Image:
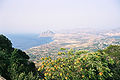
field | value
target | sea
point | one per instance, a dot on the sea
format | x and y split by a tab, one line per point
26	41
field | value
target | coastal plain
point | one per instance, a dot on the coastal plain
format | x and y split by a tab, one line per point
80	41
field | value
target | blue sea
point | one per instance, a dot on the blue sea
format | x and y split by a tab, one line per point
26	41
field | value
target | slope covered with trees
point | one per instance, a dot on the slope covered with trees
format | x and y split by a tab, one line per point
14	63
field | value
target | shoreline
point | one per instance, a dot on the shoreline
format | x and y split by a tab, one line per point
27	41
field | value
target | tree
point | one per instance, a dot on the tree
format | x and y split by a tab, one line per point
5	43
113	51
14	63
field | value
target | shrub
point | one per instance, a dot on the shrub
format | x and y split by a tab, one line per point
114	52
78	65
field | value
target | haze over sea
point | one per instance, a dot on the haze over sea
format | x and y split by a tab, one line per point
26	41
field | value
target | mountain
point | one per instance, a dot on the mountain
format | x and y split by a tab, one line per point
47	33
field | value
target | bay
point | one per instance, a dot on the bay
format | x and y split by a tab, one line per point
26	41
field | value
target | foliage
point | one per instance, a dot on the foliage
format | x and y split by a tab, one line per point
5	43
78	65
14	63
114	52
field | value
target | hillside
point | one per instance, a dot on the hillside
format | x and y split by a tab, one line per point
14	63
70	64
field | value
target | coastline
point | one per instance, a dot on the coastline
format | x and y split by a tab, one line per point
78	41
27	41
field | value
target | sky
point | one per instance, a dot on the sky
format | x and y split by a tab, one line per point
34	16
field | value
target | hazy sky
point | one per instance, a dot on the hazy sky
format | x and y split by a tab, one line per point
33	16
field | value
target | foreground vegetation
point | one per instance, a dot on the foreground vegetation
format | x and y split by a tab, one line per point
14	63
80	65
71	65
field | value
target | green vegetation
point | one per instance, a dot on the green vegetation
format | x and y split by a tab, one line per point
80	65
14	63
70	64
113	51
